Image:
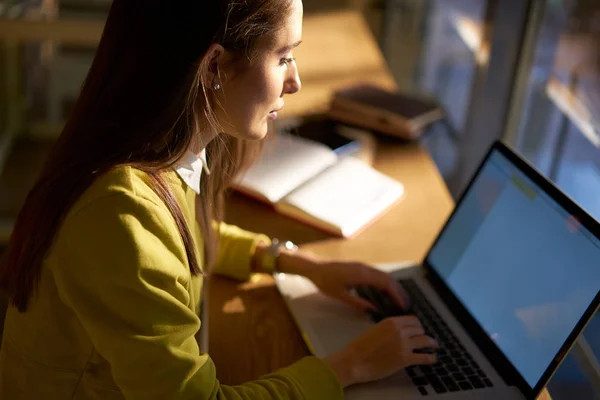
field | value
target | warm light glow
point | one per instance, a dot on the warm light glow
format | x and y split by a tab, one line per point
471	33
234	306
574	108
256	281
573	224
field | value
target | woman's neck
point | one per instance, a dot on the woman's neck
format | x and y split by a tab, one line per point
201	140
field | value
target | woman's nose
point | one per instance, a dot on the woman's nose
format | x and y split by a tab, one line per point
293	84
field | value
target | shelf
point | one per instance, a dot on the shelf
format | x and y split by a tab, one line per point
72	31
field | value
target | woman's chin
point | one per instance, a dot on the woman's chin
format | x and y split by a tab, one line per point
257	133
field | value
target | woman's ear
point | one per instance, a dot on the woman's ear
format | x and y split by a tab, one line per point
214	63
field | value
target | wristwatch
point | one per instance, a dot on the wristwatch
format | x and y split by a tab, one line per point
271	255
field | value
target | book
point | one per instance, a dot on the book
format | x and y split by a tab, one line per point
393	113
308	181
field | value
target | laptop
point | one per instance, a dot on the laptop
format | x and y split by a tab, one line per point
506	288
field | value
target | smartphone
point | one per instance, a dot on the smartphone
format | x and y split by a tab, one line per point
323	131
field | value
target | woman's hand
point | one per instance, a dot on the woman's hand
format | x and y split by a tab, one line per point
385	348
338	278
382	351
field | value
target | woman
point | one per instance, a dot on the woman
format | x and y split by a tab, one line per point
106	263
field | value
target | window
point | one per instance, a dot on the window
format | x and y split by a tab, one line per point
434	48
555	123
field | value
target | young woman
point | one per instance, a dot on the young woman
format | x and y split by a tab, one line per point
105	266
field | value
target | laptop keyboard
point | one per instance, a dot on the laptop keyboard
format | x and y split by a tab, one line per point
456	370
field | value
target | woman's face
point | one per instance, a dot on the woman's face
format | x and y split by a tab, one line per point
250	98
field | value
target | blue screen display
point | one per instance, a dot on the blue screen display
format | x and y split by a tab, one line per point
522	266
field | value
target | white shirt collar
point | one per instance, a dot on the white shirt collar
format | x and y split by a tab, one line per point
190	169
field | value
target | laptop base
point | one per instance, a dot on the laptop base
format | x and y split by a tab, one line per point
329	325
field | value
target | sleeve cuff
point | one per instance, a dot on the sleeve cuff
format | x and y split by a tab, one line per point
260	238
315	379
236	249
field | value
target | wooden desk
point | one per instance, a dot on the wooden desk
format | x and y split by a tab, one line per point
251	331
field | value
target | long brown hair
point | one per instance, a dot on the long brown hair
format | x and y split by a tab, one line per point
142	103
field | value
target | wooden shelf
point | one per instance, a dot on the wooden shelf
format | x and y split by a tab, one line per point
72	31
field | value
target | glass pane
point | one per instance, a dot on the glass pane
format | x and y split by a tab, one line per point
558	130
452	49
434	48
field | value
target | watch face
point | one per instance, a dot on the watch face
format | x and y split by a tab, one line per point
269	260
290	246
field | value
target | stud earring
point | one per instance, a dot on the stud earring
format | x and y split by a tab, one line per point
216	86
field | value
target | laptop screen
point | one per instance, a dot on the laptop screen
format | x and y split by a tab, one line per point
520	264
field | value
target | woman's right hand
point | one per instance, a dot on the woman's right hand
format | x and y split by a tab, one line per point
383	350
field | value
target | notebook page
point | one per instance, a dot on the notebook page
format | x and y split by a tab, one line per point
348	195
287	162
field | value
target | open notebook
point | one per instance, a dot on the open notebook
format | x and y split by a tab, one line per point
306	180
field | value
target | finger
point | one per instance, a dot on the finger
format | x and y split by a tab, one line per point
422	359
389	285
397	293
357	302
412	331
423	342
405	296
406	321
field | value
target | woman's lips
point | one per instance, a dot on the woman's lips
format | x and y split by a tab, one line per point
273	114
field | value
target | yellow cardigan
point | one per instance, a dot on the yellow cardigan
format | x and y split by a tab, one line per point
116	312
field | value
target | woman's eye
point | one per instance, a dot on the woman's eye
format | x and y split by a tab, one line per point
287	61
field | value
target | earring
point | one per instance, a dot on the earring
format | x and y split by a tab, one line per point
216	86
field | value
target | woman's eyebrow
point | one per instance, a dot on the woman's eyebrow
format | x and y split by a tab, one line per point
290	47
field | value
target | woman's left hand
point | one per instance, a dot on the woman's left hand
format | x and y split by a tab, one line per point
337	279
